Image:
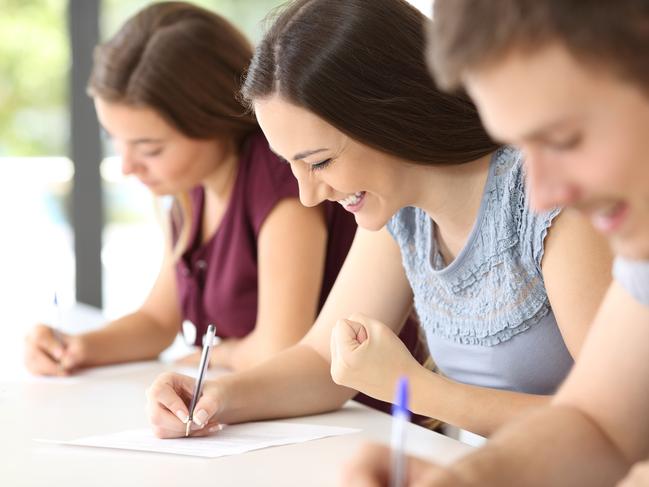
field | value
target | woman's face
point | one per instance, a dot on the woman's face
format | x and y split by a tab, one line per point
585	134
331	166
161	157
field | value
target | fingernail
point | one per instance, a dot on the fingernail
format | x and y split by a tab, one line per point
216	428
182	416
201	417
58	353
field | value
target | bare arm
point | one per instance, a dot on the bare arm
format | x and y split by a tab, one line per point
577	272
136	336
291	268
593	431
297	380
574	255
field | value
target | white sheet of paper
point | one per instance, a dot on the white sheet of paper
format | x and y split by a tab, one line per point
232	440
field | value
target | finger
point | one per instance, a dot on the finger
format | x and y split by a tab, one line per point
40	363
211	428
163	423
42	337
368	467
168	391
206	408
354	333
73	355
424	474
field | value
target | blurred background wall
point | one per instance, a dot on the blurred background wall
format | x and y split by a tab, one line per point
46	122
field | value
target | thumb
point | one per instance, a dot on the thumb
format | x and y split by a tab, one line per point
47	339
361	331
362	325
349	335
206	408
73	353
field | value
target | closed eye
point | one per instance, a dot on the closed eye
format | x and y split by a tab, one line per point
318	166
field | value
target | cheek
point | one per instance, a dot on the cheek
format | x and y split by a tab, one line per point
613	162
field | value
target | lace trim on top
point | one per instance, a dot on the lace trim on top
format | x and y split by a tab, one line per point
494	288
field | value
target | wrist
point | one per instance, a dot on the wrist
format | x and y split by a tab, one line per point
90	349
429	387
229	396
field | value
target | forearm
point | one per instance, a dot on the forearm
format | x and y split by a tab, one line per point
295	382
556	446
478	409
136	336
253	349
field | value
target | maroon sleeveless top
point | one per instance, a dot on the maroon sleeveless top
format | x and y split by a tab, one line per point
217	280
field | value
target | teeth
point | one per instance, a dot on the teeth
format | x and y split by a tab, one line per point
352	199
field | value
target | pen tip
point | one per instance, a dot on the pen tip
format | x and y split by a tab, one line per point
187	427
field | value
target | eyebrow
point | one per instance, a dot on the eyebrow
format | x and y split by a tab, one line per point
307	153
542	133
143	140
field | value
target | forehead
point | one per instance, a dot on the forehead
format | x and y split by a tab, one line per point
291	129
525	91
122	119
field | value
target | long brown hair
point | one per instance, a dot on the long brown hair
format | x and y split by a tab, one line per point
360	65
186	63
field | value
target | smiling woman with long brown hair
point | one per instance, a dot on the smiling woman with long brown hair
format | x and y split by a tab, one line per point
343	94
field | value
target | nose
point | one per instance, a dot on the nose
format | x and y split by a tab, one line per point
312	190
129	162
546	185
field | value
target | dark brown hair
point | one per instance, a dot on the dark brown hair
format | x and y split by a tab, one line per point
470	34
359	65
186	63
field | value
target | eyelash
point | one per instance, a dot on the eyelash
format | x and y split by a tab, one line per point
153	153
319	166
567	144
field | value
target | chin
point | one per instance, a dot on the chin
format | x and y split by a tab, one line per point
371	224
160	191
635	247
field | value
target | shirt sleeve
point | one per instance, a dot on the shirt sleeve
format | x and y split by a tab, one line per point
633	275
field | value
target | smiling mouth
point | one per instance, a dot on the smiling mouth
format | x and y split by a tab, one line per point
609	218
353	202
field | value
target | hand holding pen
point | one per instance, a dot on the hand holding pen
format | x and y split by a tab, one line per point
49	351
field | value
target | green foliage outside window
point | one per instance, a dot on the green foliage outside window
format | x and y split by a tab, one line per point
35	62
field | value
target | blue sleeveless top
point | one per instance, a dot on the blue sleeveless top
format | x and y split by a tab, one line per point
633	276
487	317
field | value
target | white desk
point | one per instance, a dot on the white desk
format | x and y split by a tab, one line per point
112	399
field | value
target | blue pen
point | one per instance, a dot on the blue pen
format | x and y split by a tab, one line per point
56	329
400	418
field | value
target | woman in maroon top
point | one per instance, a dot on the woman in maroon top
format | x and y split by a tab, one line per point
243	252
165	92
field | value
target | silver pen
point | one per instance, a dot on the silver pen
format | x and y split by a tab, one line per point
208	341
